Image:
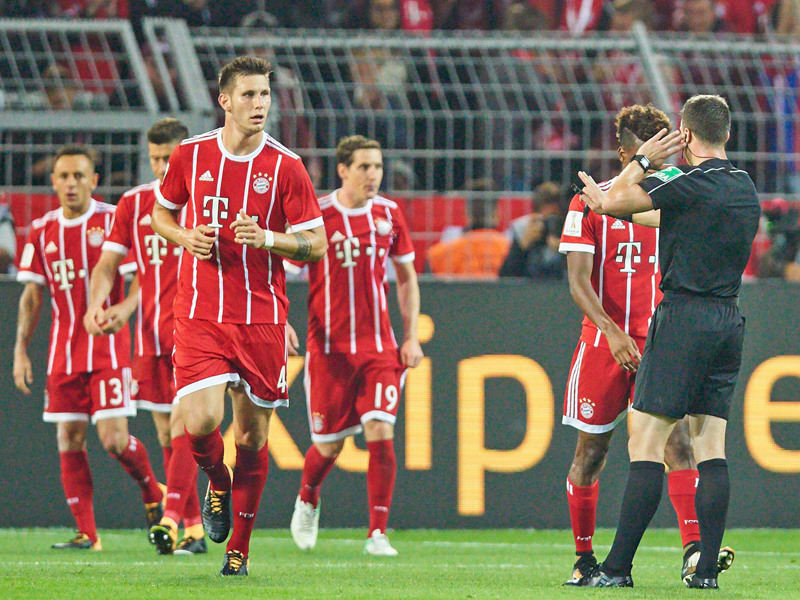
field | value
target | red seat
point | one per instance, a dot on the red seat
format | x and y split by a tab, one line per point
434	213
510	208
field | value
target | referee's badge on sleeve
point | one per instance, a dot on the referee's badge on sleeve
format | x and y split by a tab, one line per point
572	225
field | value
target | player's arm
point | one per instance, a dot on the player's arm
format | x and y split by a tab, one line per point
118	314
306	245
30	305
100	283
626	197
198	241
408	299
623	347
651	218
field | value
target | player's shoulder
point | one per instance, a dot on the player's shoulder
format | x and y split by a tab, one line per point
48	217
208	136
384	202
145	188
273	145
326	204
103	208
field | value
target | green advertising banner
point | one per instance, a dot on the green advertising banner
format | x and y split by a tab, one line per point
479	437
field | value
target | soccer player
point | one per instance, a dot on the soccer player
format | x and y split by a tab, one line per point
241	189
157	277
709	215
354	369
86	378
614	277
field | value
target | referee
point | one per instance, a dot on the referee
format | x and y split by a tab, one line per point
709	214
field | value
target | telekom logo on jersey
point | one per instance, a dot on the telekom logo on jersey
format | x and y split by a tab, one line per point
629	253
217	211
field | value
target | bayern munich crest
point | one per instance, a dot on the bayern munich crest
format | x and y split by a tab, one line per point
587	408
261	183
383	227
95	236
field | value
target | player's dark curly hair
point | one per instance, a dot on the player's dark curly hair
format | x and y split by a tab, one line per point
637	124
242	66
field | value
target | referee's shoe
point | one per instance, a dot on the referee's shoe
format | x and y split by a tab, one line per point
692	555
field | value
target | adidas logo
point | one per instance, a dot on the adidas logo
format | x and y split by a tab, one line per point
146	220
337	237
618	224
206	176
50	248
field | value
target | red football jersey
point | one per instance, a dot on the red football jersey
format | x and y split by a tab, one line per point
347	308
157	265
61	253
625	274
238	284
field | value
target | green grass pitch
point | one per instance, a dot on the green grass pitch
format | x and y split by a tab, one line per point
468	564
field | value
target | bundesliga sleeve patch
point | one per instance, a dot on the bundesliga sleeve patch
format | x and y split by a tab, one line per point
667	174
573	223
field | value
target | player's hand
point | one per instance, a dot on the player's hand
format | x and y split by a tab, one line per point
592	194
199	241
23	372
294	341
93	320
661	146
247	231
115	318
624	350
411	353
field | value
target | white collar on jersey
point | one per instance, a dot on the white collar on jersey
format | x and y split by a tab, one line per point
351	212
79	220
246	157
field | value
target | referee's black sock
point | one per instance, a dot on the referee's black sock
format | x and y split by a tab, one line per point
711	503
639	504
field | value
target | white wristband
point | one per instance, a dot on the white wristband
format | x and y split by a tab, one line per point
269	239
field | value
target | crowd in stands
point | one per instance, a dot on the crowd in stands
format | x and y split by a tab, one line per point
422	16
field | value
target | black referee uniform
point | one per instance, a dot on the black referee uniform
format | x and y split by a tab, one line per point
691	360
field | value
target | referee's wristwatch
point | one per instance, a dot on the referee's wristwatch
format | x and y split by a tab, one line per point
642	161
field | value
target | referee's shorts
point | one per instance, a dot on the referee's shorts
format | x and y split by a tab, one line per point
691	358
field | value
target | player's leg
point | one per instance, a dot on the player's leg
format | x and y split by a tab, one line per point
251	431
319	461
595	402
182	499
76	479
381	474
202	412
682	484
182	484
582	493
330	397
377	403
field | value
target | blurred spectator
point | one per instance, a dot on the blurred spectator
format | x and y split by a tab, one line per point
8	241
18	9
481	249
467	14
782	259
208	13
401	177
535	237
535	252
699	17
89	9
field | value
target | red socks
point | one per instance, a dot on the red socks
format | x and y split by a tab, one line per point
208	451
166	452
682	486
582	513
181	481
380	482
135	461
315	469
249	477
76	478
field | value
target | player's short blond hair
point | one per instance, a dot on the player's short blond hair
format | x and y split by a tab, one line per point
241	66
75	150
348	146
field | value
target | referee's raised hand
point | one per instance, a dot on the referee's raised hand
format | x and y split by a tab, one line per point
661	146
